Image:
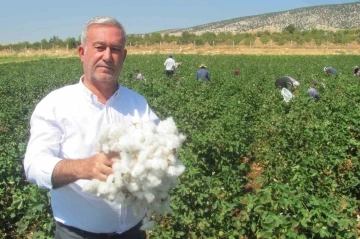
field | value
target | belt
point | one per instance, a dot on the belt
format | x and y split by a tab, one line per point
86	234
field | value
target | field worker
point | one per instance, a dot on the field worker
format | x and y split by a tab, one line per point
61	154
287	82
312	91
203	73
356	71
236	72
138	75
177	65
169	66
330	70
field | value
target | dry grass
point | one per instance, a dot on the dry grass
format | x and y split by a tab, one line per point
257	48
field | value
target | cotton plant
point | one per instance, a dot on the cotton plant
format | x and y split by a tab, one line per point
147	169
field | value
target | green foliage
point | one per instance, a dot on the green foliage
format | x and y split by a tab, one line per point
290	29
290	33
308	185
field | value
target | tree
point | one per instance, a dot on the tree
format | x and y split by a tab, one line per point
290	29
208	37
71	42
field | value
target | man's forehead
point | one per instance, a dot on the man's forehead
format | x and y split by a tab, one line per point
102	30
103	35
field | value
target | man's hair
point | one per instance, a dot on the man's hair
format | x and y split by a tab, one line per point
108	21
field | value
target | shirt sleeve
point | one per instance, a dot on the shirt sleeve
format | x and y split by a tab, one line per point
44	145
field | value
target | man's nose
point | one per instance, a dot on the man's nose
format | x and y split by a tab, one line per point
107	54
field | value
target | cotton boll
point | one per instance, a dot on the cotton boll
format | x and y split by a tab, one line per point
126	157
158	173
110	179
180	168
113	190
111	197
139	195
103	188
112	194
166	185
166	206
150	138
157	206
119	182
175	170
149	126
132	187
91	186
115	147
149	197
153	180
147	225
173	142
143	155
116	166
137	170
105	148
171	159
116	131
182	138
167	126
138	137
157	163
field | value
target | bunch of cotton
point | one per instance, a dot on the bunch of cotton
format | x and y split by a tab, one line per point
147	169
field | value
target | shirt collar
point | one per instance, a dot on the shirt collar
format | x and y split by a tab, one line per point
89	95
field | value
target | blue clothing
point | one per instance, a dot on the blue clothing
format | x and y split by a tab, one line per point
203	74
313	93
331	70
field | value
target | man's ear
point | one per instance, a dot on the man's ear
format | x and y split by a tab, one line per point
81	52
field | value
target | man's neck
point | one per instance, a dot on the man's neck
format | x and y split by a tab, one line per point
103	90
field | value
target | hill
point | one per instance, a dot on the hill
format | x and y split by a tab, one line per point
327	17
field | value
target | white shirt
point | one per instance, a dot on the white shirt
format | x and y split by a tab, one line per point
169	64
295	83
64	125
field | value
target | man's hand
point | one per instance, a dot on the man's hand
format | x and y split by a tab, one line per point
98	166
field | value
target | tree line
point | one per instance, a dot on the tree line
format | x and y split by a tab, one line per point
288	34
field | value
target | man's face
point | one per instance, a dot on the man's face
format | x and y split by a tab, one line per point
103	54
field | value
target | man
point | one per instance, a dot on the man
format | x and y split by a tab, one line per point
170	66
203	74
139	76
330	70
356	71
60	155
236	72
287	81
313	93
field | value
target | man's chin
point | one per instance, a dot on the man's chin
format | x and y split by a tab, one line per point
106	78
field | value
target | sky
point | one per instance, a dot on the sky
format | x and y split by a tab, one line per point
32	21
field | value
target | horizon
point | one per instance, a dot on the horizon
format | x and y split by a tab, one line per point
30	23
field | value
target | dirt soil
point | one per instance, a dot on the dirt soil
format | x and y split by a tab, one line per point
257	49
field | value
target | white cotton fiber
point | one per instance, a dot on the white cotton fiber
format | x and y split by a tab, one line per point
147	169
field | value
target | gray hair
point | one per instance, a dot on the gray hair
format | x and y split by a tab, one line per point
108	21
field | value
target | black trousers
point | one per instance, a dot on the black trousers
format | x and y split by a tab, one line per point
67	232
169	73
